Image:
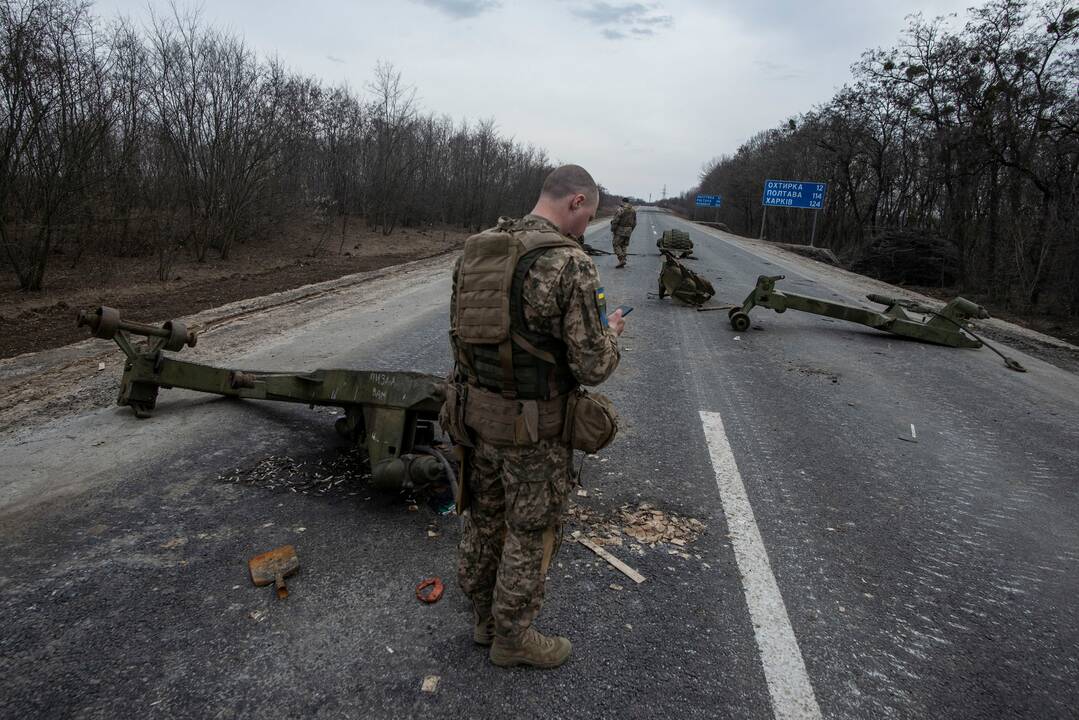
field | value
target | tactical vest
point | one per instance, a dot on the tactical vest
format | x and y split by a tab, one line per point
493	344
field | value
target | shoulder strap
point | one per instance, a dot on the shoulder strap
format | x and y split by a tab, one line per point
545	239
517	302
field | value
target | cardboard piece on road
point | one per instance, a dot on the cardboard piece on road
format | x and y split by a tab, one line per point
615	562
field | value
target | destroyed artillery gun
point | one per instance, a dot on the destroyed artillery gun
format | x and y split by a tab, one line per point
948	325
392	415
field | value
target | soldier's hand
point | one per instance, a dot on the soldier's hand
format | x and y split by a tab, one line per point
616	322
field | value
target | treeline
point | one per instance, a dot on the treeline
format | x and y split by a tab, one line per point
965	137
180	139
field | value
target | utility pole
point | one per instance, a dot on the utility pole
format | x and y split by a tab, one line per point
664	190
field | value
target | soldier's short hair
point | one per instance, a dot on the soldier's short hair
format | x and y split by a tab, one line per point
570	180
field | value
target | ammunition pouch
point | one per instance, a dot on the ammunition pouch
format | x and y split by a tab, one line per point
507	422
591	421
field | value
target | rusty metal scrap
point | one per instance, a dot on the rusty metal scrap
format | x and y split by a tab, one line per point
430	590
273	567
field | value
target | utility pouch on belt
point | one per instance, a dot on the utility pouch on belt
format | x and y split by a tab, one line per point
591	421
506	422
452	415
526	426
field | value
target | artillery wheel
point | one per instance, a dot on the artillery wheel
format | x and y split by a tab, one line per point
733	310
178	336
740	321
103	322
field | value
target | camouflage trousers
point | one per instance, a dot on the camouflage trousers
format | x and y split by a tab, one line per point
621	246
512	529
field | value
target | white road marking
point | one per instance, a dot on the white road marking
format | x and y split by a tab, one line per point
784	668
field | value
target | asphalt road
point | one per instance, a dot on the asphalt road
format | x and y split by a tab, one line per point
892	529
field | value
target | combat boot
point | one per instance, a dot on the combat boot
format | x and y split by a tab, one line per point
483	632
621	264
530	648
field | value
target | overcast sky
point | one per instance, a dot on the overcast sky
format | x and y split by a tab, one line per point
640	93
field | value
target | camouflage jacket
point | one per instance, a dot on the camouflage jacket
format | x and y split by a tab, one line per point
560	295
624	220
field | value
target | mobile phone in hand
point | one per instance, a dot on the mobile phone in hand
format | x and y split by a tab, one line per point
626	309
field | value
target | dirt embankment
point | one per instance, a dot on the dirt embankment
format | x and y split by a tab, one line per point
37	321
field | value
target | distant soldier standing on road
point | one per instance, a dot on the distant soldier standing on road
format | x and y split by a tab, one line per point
622	224
527	328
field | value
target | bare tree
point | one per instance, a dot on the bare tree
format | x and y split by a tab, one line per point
181	140
968	135
57	115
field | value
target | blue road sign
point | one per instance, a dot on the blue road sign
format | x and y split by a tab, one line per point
794	194
709	200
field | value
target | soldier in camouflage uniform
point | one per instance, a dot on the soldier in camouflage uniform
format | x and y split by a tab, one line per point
517	474
622	224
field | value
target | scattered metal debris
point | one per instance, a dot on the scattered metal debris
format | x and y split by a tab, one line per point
273	567
340	474
435	593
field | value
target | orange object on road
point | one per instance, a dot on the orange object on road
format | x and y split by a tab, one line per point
273	567
434	595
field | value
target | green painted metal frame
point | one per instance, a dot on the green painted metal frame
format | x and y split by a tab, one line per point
391	413
941	326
